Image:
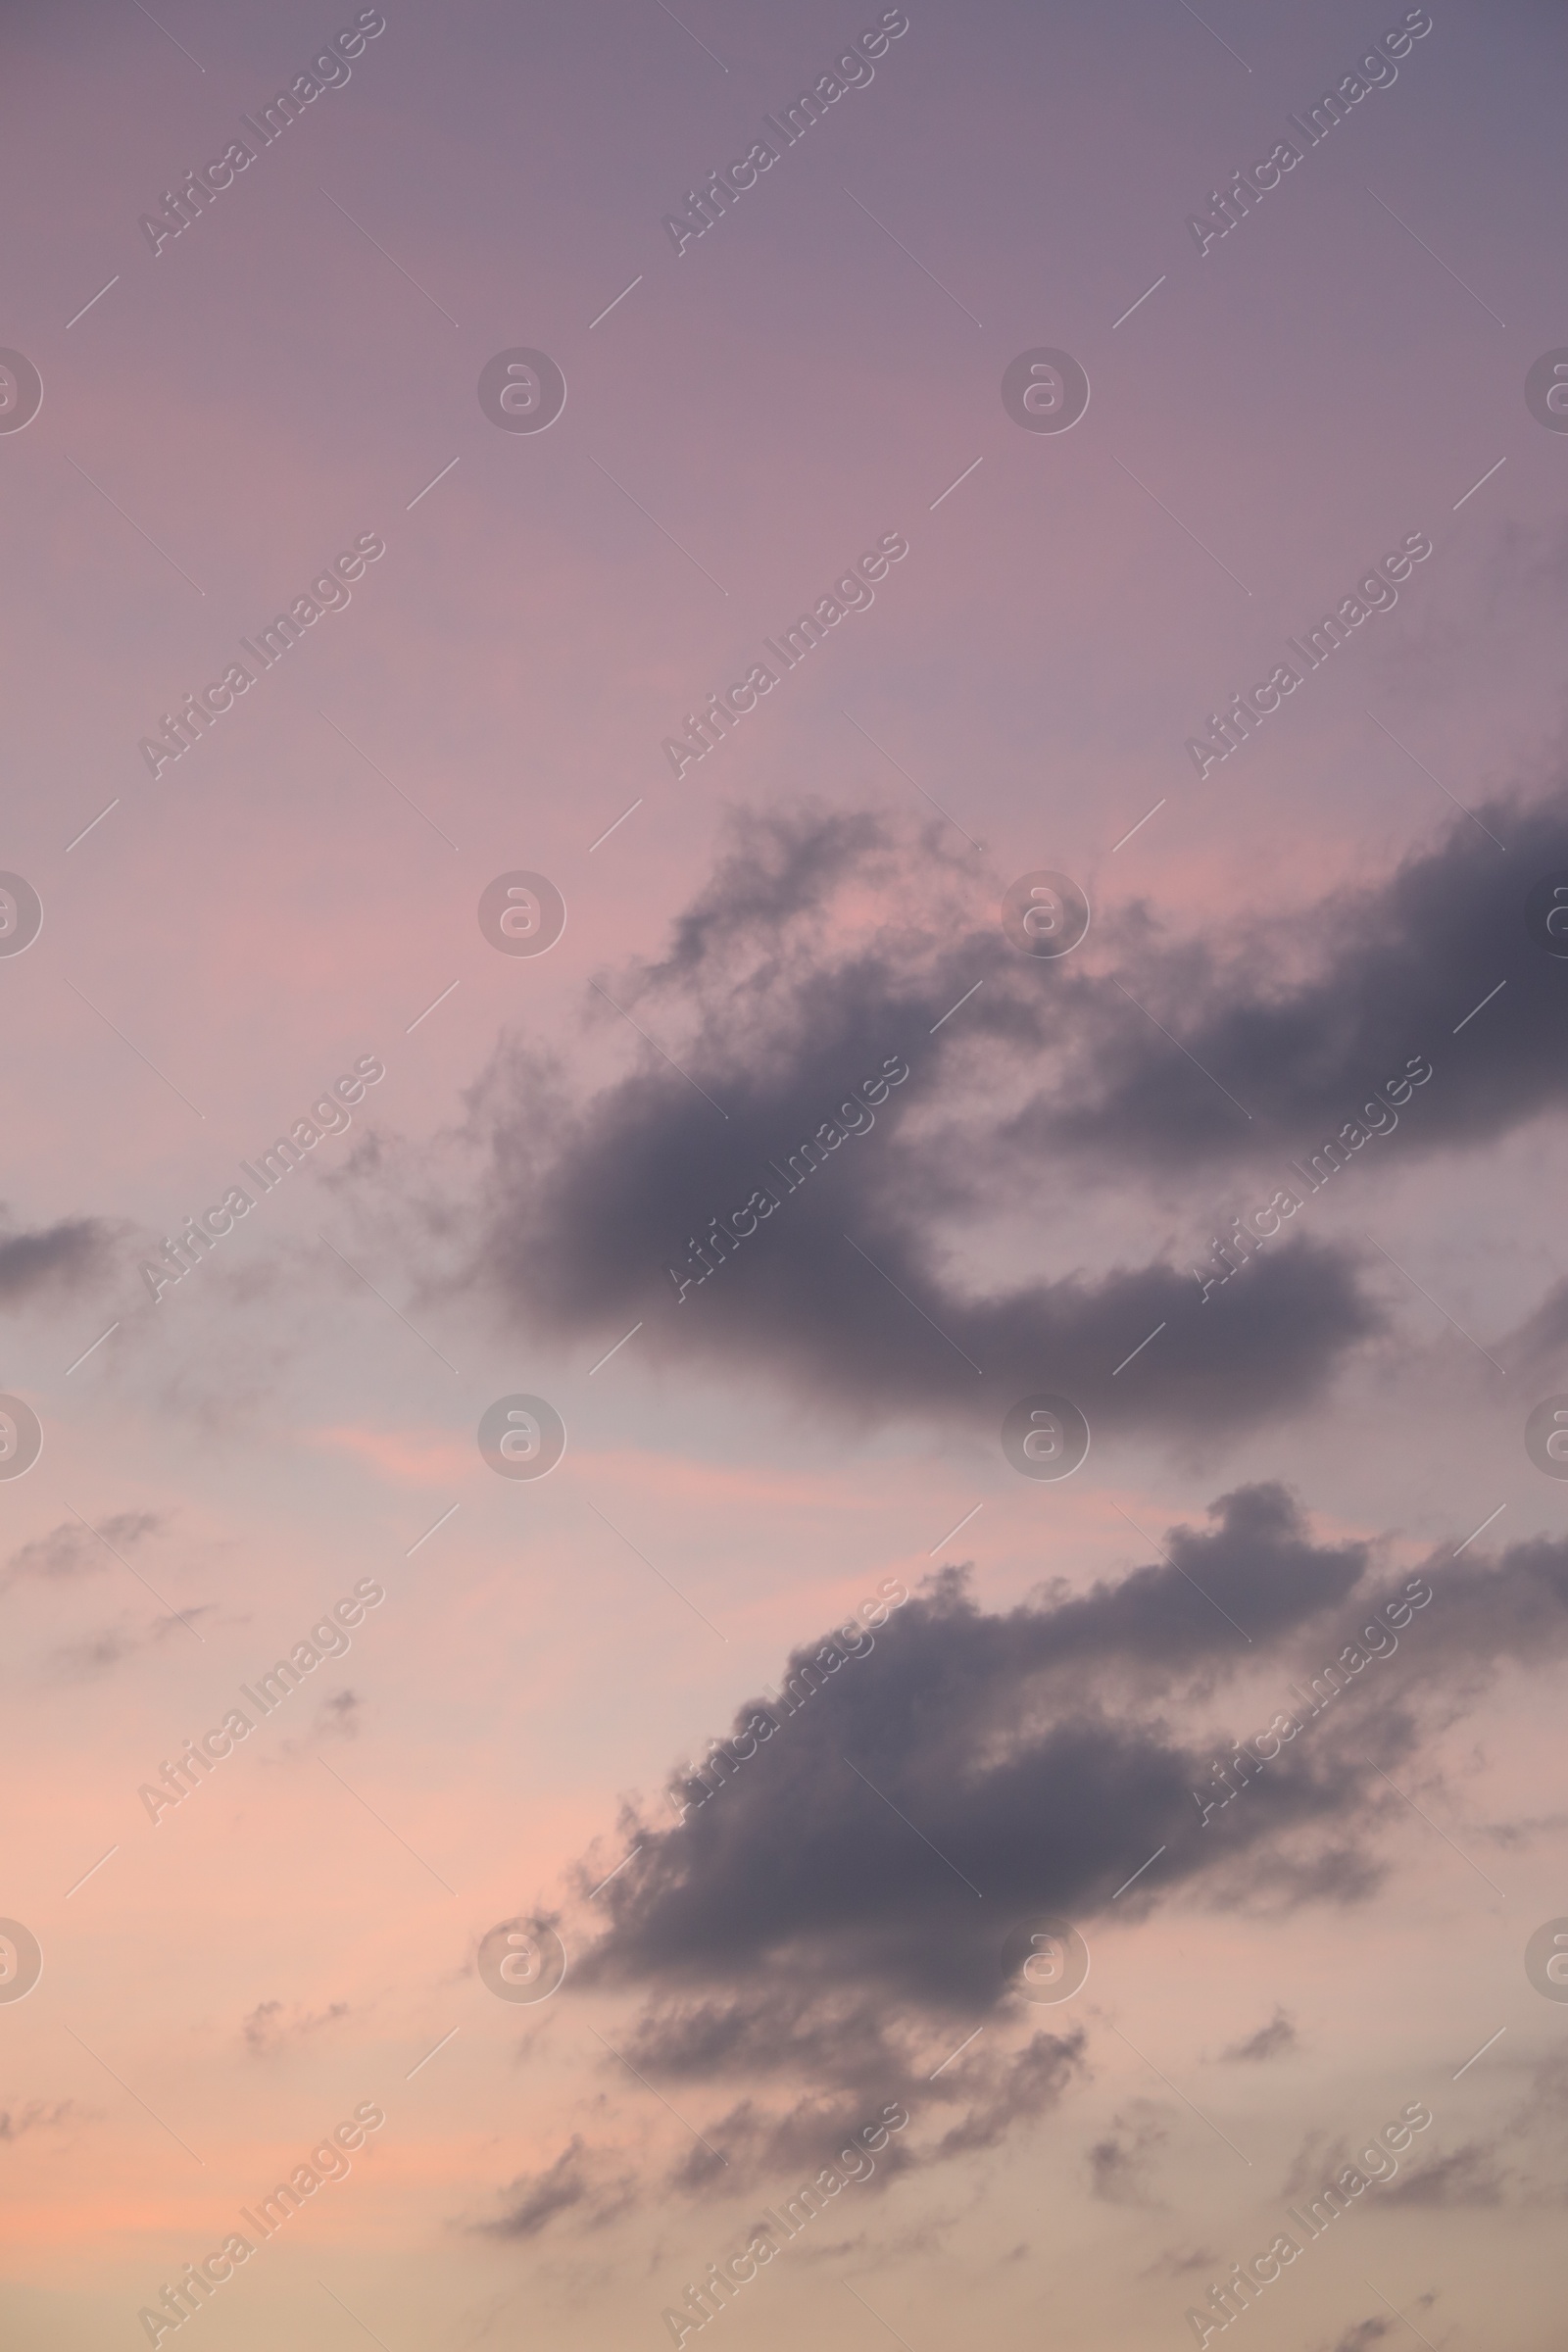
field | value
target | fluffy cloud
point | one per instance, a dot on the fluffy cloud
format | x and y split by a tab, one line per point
974	1770
976	1767
824	953
829	1920
1305	1020
831	1916
827	949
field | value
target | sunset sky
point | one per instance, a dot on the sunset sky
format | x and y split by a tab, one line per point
761	1171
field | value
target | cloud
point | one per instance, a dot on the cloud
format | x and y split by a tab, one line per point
1524	2162
1363	2335
1511	1834
72	1550
1471	2175
38	2115
162	1629
63	1257
1272	2041
337	1717
1175	2263
1120	2164
574	2182
972	1769
821	959
857	2074
829	1920
262	2027
270	2026
833	2137
1305	1018
851	1250
96	1653
1536	1343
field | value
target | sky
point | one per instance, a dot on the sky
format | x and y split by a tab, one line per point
780	1519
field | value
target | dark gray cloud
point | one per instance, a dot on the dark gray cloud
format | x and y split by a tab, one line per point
827	949
63	1257
828	1924
915	1803
1304	1021
779	1015
974	1768
857	2065
866	2073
